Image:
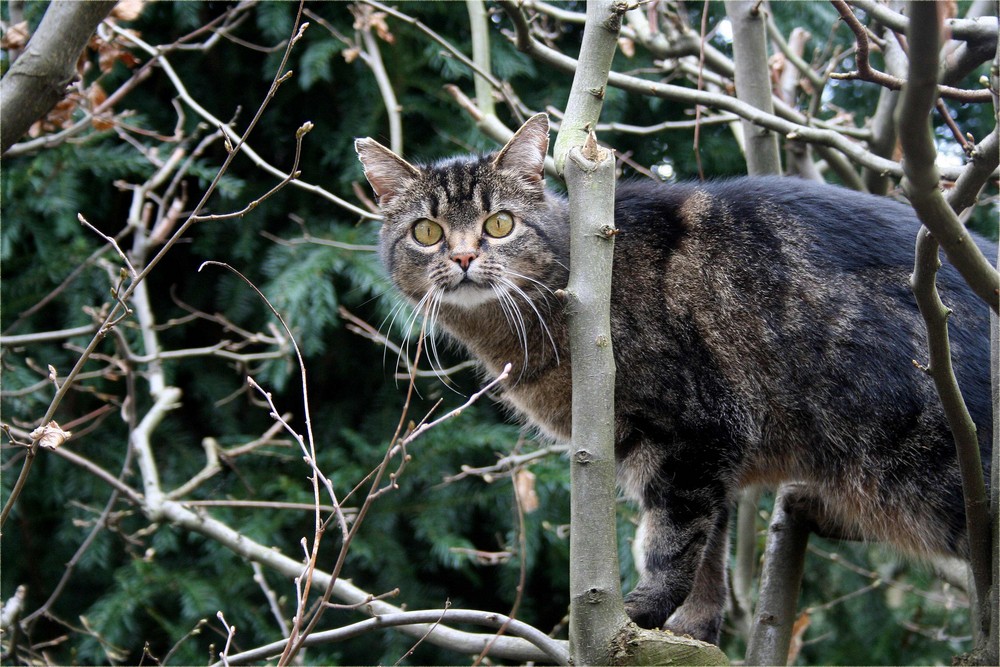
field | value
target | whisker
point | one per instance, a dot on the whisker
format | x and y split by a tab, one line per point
430	341
393	314
515	321
418	310
541	320
538	284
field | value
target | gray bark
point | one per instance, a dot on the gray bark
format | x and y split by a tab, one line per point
884	131
597	613
479	29
38	78
590	80
599	630
784	560
921	186
745	561
992	649
753	83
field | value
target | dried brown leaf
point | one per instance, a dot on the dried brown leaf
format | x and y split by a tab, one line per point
382	28
50	436
626	46
16	36
524	481
128	10
96	97
351	54
799	628
58	118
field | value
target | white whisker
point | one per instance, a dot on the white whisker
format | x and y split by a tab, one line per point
391	319
418	310
537	284
541	320
515	321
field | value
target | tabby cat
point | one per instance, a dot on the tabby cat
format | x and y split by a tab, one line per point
764	332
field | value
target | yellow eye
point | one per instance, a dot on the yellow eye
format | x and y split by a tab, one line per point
427	232
499	224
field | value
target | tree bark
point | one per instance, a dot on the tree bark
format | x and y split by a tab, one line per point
992	649
590	80
753	86
38	78
921	176
921	186
753	83
884	130
599	630
479	29
784	560
597	613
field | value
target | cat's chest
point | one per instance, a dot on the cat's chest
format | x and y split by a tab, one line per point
539	386
545	402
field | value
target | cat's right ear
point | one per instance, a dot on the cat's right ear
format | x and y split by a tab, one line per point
387	173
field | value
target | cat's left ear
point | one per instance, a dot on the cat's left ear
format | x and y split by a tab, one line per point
387	173
525	152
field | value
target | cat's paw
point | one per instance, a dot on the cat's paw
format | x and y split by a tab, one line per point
702	624
651	609
646	608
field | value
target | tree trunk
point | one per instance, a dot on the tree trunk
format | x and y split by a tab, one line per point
921	184
597	613
599	630
753	83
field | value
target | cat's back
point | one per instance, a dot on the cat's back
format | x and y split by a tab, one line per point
763	287
775	221
853	230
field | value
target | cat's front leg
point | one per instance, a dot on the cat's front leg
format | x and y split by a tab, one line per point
684	544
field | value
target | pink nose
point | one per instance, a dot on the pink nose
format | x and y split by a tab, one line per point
464	259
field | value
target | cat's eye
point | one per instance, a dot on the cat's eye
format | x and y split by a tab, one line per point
499	224
427	232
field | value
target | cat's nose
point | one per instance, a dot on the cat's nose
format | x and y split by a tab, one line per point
464	259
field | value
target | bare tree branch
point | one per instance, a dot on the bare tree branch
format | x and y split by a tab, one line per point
479	29
554	650
784	560
921	185
921	181
790	130
866	72
38	78
597	612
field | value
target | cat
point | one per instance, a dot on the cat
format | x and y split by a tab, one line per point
763	330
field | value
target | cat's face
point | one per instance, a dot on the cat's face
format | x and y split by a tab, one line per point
466	231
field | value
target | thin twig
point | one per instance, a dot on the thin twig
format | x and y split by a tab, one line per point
554	649
789	129
434	625
866	72
120	310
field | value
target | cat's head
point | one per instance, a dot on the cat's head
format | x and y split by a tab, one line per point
468	230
